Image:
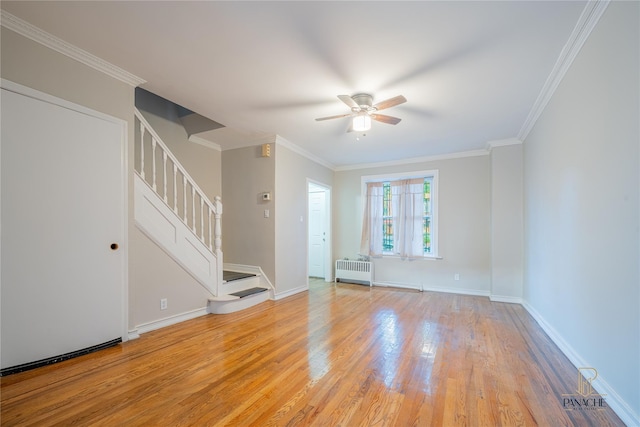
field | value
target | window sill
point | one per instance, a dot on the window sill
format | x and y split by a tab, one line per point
422	258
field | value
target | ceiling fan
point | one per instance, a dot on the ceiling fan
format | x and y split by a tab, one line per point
363	110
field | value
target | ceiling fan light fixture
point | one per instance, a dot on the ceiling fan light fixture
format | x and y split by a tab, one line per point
361	122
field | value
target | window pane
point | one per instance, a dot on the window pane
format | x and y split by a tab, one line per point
427	196
426	233
386	199
387	235
387	222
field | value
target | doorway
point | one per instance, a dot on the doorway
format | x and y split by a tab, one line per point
319	231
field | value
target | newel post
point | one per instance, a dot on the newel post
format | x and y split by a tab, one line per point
217	240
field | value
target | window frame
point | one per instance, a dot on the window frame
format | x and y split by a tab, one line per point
423	174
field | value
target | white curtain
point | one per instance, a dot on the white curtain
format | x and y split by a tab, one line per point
371	243
407	207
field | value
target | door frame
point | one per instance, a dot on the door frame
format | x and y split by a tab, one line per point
328	252
124	159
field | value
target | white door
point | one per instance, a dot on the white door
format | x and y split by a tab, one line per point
317	234
62	192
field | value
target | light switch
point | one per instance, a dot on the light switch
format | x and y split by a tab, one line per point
266	213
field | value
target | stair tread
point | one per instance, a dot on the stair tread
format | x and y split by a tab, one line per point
239	294
229	276
248	292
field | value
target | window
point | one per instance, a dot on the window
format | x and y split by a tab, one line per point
400	216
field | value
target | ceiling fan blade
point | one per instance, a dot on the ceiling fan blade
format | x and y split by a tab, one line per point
349	101
386	119
333	117
392	102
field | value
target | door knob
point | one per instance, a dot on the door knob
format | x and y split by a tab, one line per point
114	246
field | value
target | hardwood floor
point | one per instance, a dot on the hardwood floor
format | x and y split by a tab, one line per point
344	355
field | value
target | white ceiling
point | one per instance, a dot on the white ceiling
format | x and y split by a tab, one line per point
471	71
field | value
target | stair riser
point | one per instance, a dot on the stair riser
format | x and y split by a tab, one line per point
239	285
225	307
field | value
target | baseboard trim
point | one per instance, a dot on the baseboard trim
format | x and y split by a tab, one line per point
613	399
167	321
290	292
397	285
472	292
504	298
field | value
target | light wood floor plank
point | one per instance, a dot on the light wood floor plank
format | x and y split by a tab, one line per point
338	355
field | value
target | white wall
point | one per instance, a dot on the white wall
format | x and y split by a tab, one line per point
463	230
581	209
507	229
291	242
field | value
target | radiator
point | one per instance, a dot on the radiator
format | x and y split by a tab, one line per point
354	270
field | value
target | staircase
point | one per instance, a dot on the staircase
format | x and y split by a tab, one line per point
175	213
240	290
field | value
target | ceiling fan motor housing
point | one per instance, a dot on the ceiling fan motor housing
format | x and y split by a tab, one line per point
364	100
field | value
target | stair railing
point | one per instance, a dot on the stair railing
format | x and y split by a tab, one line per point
178	190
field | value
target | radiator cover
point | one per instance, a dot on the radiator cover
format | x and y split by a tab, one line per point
361	271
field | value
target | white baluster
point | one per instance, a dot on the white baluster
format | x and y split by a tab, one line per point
210	242
184	197
193	208
164	174
175	189
153	162
142	129
202	219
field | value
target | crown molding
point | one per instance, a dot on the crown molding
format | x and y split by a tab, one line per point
459	155
304	153
34	33
201	141
502	143
586	23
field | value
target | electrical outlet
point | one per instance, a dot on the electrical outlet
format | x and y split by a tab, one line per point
163	304
456	276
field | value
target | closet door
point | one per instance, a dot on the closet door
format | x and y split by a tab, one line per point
62	220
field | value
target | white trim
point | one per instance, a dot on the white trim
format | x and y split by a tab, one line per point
167	321
590	16
505	298
614	401
304	153
502	143
412	160
34	33
474	292
133	335
201	141
124	245
397	285
291	292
